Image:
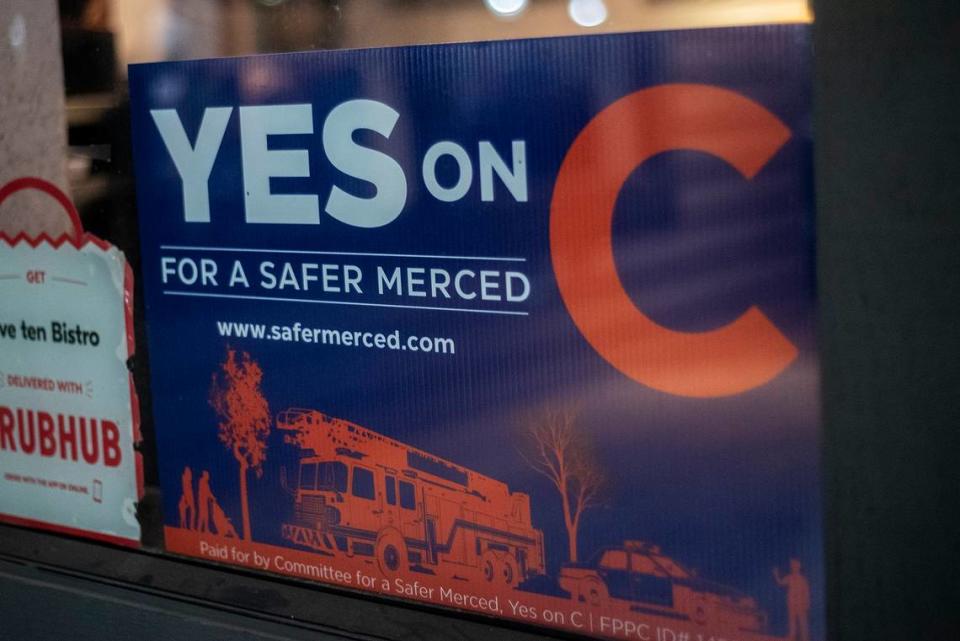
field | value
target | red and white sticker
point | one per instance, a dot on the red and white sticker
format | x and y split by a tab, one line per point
69	419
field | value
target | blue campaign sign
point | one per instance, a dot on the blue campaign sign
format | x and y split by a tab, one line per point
524	328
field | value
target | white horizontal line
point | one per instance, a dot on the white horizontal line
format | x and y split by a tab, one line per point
255	250
170	292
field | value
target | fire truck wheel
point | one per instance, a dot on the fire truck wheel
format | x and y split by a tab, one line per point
510	571
594	592
488	566
391	553
699	614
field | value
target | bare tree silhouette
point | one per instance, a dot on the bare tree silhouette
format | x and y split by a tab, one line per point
245	418
559	451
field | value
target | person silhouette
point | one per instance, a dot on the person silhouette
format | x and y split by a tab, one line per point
798	601
187	505
204	496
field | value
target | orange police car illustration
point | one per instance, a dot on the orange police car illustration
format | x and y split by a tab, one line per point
656	584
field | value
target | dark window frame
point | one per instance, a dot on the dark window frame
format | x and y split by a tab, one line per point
360	471
408	497
390	489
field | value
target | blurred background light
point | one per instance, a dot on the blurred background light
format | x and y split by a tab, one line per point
506	8
587	13
17	31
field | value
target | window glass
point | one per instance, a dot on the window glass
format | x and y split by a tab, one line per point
308	476
672	568
363	483
332	476
391	487
100	37
614	560
408	499
644	564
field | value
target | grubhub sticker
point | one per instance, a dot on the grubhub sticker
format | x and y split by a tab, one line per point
68	410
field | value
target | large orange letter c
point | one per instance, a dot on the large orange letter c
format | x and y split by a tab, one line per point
728	360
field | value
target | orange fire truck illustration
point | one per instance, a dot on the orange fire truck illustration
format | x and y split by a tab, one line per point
358	492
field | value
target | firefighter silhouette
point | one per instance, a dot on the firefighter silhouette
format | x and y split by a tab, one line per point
187	504
798	601
204	496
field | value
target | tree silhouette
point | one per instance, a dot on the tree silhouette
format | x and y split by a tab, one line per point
245	418
560	452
